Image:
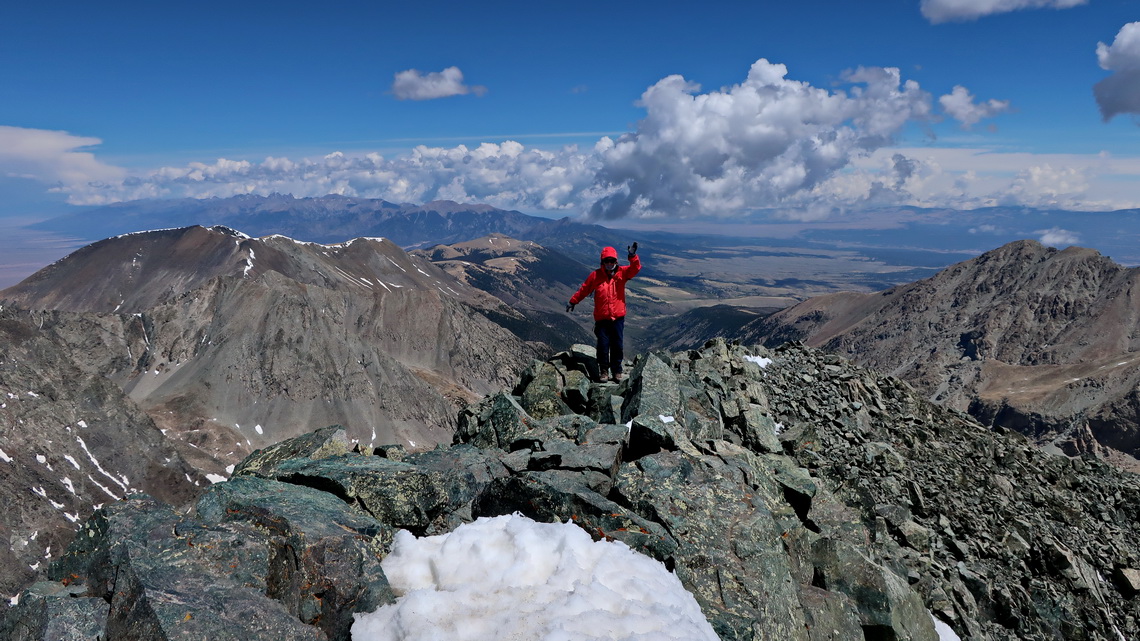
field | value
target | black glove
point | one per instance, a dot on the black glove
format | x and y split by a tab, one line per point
569	307
632	249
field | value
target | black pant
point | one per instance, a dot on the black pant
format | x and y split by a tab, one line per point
611	334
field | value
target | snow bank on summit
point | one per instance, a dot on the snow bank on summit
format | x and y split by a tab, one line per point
509	577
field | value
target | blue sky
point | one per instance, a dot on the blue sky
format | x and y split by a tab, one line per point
635	109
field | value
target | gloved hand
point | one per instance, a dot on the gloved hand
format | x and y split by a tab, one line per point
569	307
632	249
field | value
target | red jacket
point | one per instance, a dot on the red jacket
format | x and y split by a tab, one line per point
609	291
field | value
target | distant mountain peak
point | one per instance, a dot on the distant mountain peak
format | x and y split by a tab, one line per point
1028	336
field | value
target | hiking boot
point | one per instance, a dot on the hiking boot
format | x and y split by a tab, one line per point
617	377
603	377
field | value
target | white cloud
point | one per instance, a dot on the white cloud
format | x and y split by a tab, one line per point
762	143
53	157
413	85
1057	237
1046	186
1120	92
969	178
959	105
766	143
937	11
506	175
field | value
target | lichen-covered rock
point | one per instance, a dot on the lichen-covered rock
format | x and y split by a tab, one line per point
556	495
542	396
327	441
493	422
254	559
50	611
397	493
730	551
330	556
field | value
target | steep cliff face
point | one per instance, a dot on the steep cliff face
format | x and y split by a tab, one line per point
795	495
70	441
1034	338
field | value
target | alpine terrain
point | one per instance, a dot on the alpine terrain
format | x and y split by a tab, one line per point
797	496
1040	340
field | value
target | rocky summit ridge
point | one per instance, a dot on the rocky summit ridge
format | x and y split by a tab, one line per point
796	495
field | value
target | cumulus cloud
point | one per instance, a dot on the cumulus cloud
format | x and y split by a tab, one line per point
54	158
765	142
1046	186
1057	237
959	104
414	85
768	143
1120	92
937	11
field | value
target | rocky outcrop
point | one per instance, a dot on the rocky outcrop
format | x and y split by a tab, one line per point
796	495
1025	336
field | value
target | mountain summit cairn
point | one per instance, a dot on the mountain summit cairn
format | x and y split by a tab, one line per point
795	495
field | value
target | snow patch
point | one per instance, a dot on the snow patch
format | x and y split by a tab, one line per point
149	231
945	632
121	483
759	360
509	577
215	478
4	457
105	489
666	419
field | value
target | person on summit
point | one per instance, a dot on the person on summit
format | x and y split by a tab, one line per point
607	284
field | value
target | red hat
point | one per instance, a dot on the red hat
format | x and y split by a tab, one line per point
609	252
